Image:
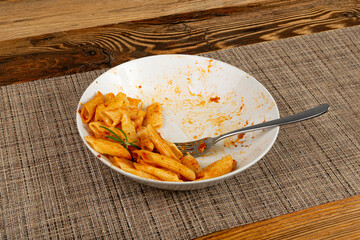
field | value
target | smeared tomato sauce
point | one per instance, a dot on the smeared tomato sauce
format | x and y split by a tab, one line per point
214	99
202	147
241	136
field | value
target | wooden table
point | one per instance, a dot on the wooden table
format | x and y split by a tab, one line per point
64	37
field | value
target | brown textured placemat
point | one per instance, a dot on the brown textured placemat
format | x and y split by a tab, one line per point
52	186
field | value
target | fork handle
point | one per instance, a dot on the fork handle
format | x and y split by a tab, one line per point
313	112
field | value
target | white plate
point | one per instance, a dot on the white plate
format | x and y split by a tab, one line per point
201	97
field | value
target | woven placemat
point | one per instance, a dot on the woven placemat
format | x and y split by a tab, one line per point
53	187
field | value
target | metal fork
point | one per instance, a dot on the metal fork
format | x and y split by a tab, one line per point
202	146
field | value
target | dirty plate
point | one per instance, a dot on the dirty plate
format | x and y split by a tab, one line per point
201	97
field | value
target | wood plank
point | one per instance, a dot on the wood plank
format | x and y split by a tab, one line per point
25	18
336	220
88	49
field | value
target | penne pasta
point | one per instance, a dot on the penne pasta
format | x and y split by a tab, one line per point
160	143
128	166
121	99
162	174
100	132
89	108
174	149
220	167
112	117
97	130
139	118
145	141
166	162
135	102
119	127
99	109
191	163
128	127
108	98
103	106
154	115
108	147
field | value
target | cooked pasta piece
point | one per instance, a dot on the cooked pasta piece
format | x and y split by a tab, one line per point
128	127
162	174
122	98
89	108
160	143
154	115
128	166
135	102
112	117
108	98
138	119
174	149
99	109
166	162
191	163
103	106
100	132
97	130
220	167
108	147
145	141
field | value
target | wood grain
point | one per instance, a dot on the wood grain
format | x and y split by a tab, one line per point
82	50
337	220
25	18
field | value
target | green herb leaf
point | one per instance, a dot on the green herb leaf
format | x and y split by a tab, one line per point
118	139
114	132
122	133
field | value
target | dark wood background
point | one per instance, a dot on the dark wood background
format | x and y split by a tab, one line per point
238	23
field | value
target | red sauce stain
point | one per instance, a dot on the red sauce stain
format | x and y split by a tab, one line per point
192	94
140	86
202	103
246	123
195	137
166	99
241	108
79	111
99	156
241	136
214	99
202	147
210	65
